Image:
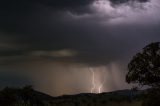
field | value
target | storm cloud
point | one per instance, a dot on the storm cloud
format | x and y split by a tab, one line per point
58	35
52	25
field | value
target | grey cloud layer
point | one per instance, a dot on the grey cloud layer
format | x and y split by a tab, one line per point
124	1
47	26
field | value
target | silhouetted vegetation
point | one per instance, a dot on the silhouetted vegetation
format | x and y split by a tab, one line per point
144	69
26	96
152	98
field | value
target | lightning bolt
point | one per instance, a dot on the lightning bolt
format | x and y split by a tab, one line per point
100	87
93	80
94	84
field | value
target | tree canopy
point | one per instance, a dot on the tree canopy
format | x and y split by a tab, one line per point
144	68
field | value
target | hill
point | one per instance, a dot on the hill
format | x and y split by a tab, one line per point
29	97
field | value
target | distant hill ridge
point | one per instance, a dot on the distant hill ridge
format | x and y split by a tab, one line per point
28	97
125	92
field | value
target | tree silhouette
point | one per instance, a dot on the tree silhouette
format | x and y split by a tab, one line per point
144	68
7	96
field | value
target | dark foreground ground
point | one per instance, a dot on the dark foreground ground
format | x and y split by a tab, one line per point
29	97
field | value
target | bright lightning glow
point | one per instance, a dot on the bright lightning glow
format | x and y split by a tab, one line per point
94	84
93	80
100	87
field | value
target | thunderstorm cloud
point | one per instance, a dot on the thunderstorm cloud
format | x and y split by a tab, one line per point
46	38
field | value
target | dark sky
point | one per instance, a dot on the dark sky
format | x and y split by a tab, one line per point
41	41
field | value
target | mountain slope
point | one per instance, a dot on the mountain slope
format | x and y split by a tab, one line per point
29	97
